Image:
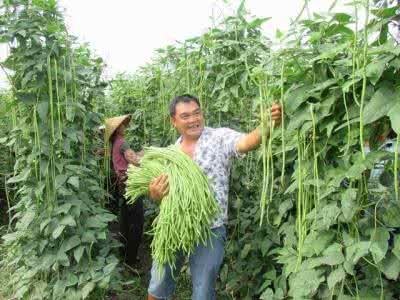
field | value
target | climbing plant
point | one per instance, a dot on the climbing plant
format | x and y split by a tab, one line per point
327	231
59	246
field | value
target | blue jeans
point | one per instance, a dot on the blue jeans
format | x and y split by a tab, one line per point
205	262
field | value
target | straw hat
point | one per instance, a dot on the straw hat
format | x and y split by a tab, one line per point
113	123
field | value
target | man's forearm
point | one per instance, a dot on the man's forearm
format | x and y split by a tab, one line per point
252	140
249	142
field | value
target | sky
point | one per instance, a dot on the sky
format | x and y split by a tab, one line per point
125	33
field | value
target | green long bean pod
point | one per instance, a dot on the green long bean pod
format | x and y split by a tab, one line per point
300	199
283	125
354	54
37	143
396	168
270	164
58	104
65	80
364	84
264	190
52	173
348	123
315	160
73	77
50	82
186	212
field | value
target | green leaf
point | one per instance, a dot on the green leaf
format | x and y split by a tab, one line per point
385	12
284	207
347	86
316	242
63	208
287	257
11	236
335	277
71	279
70	113
40	189
330	51
375	69
22	176
356	251
394	115
48	260
342	17
101	235
109	268
304	284
380	104
74	181
245	251
395	63
26	220
19	294
68	221
390	215
95	222
58	231
72	242
63	259
43	110
60	180
349	267
299	117
105	282
349	206
265	245
390	266
333	255
326	217
268	294
396	247
59	289
295	96
88	237
379	243
369	294
257	22
321	86
87	289
78	252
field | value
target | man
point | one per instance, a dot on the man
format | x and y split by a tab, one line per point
212	149
131	217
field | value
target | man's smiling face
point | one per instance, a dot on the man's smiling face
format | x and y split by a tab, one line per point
188	120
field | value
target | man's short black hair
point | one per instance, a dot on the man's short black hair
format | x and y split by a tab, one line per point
185	98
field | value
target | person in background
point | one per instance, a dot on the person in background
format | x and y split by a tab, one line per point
131	217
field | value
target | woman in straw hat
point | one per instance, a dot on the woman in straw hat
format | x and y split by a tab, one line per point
131	216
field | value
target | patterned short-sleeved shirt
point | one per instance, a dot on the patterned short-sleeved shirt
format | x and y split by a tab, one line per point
213	153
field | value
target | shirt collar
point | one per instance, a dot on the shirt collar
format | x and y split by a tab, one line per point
203	133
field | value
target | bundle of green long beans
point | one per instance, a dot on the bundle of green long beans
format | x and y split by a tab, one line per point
185	212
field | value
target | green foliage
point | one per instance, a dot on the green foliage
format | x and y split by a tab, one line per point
59	246
7	157
328	233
